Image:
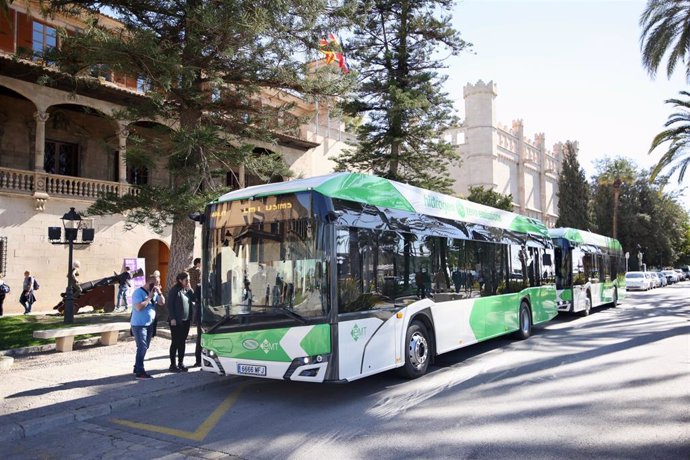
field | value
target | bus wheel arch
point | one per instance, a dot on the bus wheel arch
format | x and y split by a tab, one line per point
424	317
525	320
588	303
418	348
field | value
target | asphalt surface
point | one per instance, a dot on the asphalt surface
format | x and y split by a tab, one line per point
43	391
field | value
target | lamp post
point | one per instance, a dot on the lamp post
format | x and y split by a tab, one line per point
72	223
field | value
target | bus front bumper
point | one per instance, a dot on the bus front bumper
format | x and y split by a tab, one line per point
305	369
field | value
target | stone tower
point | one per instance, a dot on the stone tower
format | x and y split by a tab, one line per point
503	158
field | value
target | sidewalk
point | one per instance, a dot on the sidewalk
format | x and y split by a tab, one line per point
46	390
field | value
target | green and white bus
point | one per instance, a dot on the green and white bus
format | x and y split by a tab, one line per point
338	277
590	270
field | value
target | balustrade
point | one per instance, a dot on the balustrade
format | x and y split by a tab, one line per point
28	182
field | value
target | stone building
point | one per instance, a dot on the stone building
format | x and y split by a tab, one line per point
61	147
504	159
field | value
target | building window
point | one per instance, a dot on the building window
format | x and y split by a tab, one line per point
137	176
232	180
3	255
44	38
61	158
143	85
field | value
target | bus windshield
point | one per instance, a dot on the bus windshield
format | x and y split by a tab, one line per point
264	272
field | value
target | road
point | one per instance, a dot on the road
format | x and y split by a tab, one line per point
613	385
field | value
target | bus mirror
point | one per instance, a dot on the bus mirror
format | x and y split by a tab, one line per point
546	259
197	217
332	216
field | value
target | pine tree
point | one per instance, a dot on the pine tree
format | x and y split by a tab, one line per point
208	67
491	198
573	191
405	110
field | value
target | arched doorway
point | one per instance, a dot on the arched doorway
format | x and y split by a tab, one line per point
157	256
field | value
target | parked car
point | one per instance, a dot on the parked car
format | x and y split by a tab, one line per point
653	279
680	274
637	281
686	270
662	279
671	276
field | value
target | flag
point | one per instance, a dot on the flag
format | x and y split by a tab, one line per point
332	51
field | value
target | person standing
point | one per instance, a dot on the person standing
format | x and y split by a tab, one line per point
4	290
124	279
195	283
144	301
179	304
27	298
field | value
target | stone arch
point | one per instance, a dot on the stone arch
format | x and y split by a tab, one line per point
21	88
16	111
156	254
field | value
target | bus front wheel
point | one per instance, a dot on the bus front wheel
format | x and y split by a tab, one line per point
417	351
525	319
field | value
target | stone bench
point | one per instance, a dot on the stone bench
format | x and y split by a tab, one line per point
64	337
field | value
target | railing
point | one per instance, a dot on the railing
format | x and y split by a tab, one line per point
507	141
550	164
29	182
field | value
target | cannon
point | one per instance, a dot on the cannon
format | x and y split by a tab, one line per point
97	292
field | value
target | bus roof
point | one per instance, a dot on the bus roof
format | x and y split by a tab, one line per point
582	237
384	193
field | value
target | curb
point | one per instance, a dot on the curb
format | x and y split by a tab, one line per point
16	431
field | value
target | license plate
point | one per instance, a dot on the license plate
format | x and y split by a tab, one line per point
250	369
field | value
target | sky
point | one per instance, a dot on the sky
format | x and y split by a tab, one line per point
568	68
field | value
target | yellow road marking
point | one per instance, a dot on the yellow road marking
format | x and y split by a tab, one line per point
200	433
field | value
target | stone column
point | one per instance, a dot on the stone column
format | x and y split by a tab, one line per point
41	117
122	135
519	132
541	146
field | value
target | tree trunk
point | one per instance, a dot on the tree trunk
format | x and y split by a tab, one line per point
181	249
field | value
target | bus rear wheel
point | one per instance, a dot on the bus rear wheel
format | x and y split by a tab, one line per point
417	351
525	319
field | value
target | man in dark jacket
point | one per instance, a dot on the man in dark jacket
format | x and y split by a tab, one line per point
195	283
179	306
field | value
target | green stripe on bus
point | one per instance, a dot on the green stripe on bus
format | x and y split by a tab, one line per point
367	189
495	315
317	341
265	345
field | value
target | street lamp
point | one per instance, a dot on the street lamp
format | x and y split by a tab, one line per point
72	223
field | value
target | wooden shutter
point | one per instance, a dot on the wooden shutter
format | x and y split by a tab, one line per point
7	31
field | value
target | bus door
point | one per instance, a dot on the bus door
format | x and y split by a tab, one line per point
367	323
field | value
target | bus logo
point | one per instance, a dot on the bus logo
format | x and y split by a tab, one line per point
268	347
250	344
358	332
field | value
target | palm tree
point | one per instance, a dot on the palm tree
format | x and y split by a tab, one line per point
615	173
666	30
677	157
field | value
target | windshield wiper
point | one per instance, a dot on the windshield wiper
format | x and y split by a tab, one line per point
287	312
221	322
265	309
